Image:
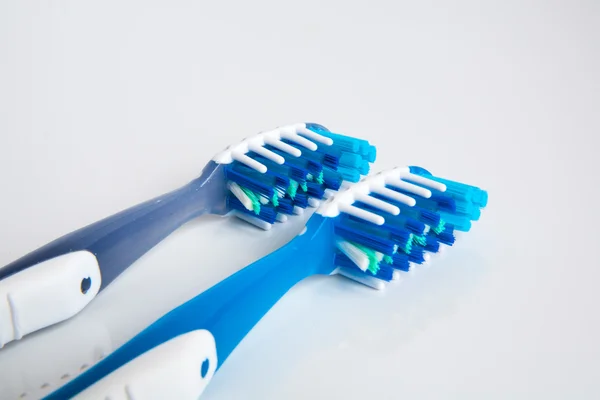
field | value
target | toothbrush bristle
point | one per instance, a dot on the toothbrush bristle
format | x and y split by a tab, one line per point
423	226
291	172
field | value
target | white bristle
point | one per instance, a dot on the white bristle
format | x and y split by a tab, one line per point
377	203
253	220
360	277
426	230
315	136
362	214
302	141
409	187
283	146
356	255
314	203
425	181
298	210
379	256
281	217
263	200
392	194
250	162
268	154
240	195
328	193
396	276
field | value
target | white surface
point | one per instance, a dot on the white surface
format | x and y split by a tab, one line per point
169	371
47	293
106	104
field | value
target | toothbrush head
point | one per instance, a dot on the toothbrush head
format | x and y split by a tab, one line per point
393	220
281	172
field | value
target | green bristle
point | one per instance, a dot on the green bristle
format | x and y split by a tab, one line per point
388	259
292	189
320	178
275	199
304	187
372	255
420	240
408	247
254	198
440	227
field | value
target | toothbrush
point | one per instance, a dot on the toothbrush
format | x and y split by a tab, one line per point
368	232
262	179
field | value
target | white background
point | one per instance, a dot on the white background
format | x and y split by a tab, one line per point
106	104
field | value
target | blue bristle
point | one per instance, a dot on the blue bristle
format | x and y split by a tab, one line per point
342	260
301	200
398	233
251	179
444	237
364	168
370	236
425	216
348	159
460	223
400	261
341	142
468	209
330	156
437	201
286	206
332	179
416	255
303	165
371	154
349	174
315	190
432	244
267	213
385	272
455	189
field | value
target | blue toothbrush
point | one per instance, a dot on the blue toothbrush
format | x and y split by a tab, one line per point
262	179
369	232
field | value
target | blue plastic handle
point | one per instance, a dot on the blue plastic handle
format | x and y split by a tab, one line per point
119	240
230	309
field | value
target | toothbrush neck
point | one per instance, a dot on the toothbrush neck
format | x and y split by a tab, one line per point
231	308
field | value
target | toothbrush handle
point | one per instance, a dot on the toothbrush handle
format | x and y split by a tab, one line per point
230	309
180	368
58	280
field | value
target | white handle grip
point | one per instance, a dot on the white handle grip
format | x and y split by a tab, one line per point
178	369
47	293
